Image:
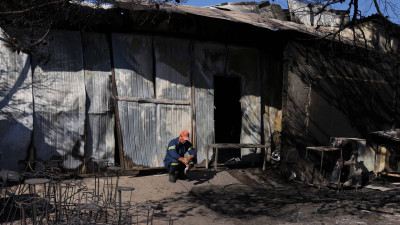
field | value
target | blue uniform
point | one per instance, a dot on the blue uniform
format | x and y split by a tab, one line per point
176	150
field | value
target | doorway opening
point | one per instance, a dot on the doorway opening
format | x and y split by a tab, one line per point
227	114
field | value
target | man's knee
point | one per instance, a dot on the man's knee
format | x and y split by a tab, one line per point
192	162
174	165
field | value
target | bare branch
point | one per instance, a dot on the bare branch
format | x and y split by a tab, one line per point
32	8
377	8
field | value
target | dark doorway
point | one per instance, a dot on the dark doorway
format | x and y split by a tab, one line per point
227	114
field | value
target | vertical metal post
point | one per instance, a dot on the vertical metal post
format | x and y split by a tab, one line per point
322	161
120	207
116	185
340	168
216	159
98	179
59	201
148	214
266	158
152	214
207	148
34	212
254	157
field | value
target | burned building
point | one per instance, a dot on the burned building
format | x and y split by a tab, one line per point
236	73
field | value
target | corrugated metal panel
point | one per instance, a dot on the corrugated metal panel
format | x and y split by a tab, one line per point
100	140
59	95
171	120
173	64
138	122
16	109
209	59
133	62
244	62
148	127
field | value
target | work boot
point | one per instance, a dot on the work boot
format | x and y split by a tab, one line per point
172	177
181	175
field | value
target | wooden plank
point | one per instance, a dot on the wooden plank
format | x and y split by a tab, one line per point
323	148
153	100
232	145
114	93
390	174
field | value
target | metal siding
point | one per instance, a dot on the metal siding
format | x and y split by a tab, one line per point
133	62
59	95
209	60
148	128
271	92
100	140
173	62
173	65
139	132
171	120
16	109
244	62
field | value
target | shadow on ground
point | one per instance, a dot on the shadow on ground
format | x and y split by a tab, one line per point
273	197
201	177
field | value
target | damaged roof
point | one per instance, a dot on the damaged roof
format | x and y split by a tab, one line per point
258	14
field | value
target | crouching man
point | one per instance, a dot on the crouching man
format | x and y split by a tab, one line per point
174	160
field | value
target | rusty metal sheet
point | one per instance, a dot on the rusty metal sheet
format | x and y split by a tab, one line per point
244	62
173	64
100	140
209	59
16	107
133	62
59	93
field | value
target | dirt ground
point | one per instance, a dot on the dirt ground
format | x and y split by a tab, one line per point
247	196
251	196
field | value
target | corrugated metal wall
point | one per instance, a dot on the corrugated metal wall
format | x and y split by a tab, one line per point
171	119
173	65
16	109
100	140
244	62
133	62
59	95
209	59
72	94
148	127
